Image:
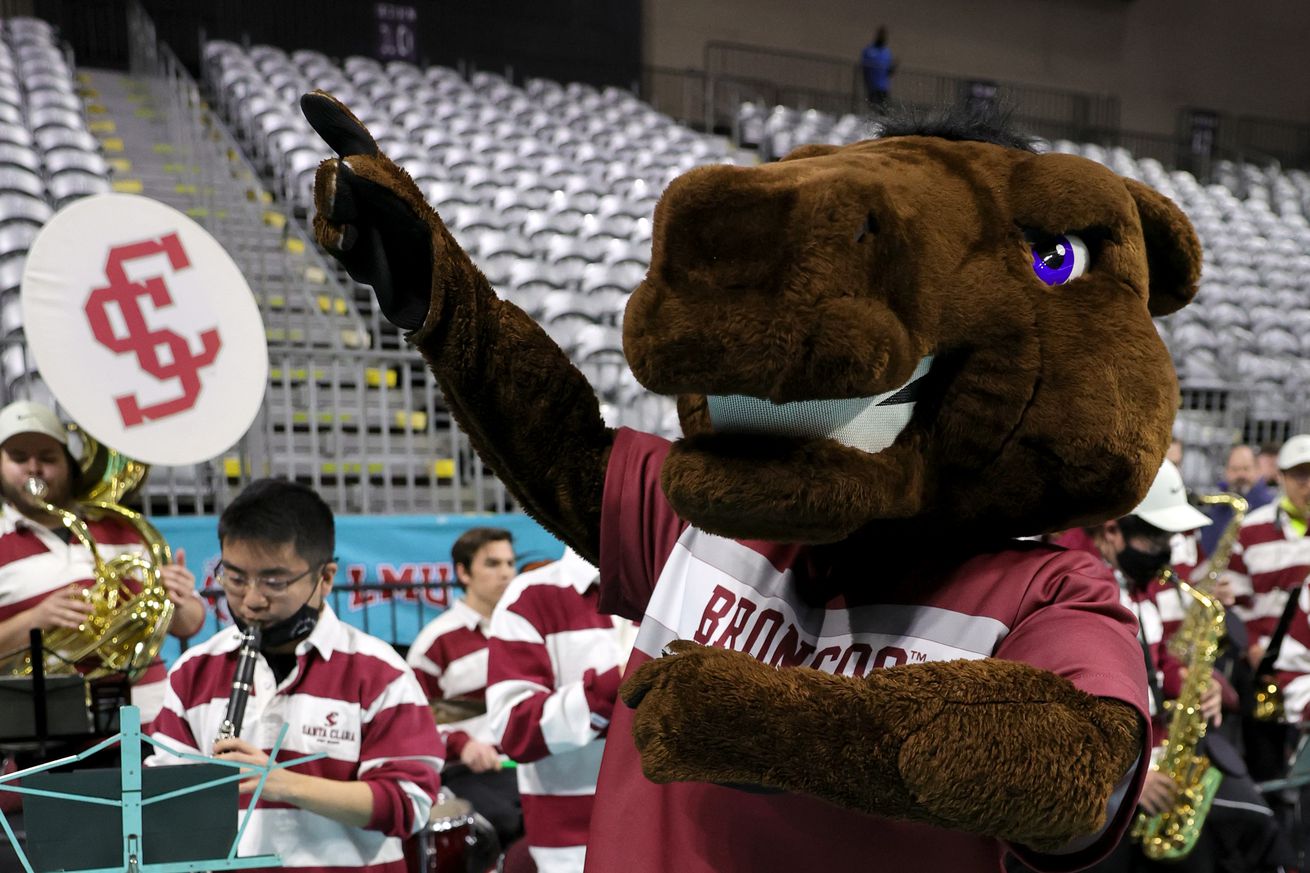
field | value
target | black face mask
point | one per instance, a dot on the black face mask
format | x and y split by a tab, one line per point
1141	567
291	629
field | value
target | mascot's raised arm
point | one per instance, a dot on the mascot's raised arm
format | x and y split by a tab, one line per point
890	358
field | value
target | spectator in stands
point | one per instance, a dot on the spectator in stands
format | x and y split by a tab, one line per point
878	67
1267	464
450	658
337	689
43	566
555	667
1241	476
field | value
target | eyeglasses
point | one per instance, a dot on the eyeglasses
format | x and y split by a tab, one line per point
269	586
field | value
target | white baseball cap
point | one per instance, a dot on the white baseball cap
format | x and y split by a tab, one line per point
26	416
1165	506
1294	452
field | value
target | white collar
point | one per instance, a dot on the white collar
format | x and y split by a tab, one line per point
574	569
325	633
469	617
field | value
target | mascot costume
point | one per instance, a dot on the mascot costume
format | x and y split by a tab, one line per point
890	359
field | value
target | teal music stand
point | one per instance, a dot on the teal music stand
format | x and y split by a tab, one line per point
132	800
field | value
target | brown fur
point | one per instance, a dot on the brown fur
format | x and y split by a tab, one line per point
757	286
1046	407
1048	759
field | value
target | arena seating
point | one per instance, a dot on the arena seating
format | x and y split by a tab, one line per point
48	157
550	186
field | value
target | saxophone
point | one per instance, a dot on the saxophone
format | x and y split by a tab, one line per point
1171	835
1194	619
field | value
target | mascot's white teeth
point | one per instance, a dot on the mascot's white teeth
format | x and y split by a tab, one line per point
869	424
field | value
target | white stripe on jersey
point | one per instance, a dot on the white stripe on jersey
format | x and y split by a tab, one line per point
50	570
699	560
571	774
1268	604
1294	657
567	860
298	838
1275	555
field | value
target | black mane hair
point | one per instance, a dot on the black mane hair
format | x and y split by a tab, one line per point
962	122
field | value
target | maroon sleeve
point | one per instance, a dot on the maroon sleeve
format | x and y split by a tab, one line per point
638	528
1071	623
400	753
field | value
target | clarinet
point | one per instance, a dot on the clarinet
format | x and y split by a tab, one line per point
241	684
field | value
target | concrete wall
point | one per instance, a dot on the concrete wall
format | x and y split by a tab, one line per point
1156	55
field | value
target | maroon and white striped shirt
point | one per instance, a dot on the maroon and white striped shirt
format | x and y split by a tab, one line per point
35	563
554	671
1049	607
449	657
1269	560
1293	664
349	696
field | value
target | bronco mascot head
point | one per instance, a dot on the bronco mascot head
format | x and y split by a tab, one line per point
890	358
936	324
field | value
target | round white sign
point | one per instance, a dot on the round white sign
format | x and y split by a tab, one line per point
144	329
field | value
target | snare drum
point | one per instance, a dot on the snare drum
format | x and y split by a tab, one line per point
451	842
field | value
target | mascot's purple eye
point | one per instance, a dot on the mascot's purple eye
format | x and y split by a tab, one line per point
1059	259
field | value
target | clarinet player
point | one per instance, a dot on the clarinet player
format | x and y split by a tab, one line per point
336	689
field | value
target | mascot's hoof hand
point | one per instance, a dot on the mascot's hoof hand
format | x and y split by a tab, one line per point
370	215
703	715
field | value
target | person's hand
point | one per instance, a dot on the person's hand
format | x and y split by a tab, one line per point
276	787
1158	793
479	757
1224	591
1255	653
178	581
63	608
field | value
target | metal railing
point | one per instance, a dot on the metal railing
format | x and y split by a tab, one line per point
737	72
426	600
366	427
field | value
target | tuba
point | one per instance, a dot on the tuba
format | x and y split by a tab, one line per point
125	630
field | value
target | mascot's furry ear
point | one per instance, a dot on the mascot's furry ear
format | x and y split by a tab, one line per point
1173	253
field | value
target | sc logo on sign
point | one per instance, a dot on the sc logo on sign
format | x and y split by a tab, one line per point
163	353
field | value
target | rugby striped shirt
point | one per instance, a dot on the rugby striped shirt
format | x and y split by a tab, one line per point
845	611
1293	664
350	696
35	563
449	657
1269	560
554	674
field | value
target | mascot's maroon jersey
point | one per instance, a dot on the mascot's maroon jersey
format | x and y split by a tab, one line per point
1027	602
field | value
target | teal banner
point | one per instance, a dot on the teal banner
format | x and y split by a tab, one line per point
395	570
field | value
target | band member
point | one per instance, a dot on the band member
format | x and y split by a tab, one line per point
1240	829
449	656
1272	559
555	668
336	689
43	566
1273	555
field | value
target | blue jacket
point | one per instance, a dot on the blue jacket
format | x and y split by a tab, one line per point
877	63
